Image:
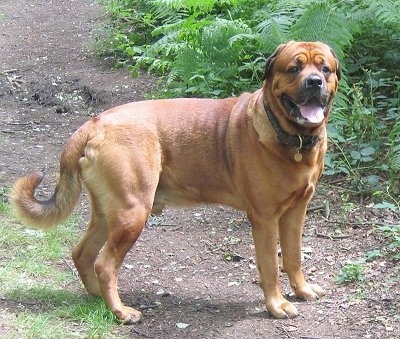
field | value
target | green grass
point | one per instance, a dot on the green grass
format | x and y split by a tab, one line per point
38	283
61	314
4	206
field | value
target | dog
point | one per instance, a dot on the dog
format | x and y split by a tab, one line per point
261	152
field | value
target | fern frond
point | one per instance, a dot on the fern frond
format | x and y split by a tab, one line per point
186	65
385	11
203	6
394	158
217	41
172	76
322	22
167	45
394	151
275	28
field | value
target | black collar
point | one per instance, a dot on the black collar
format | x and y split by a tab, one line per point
301	142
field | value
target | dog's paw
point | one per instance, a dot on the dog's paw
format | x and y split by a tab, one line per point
281	308
310	292
129	316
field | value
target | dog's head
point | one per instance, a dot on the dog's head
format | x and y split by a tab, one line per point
301	79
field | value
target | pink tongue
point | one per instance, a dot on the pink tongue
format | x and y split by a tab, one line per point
313	113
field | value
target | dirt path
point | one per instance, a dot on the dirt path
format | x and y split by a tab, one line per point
50	82
50	77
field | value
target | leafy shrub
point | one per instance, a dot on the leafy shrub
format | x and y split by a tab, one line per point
392	233
351	272
217	48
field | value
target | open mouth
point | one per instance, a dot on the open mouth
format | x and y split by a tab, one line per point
311	111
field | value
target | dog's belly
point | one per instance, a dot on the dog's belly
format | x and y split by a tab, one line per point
192	196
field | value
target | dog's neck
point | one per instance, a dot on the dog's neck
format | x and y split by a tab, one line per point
298	141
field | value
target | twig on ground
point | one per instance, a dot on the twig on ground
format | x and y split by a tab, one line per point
8	71
327	209
140	334
358	223
148	307
330	310
287	334
18	123
315	208
70	267
337	181
332	237
324	206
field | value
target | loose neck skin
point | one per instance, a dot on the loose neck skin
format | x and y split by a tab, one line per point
268	137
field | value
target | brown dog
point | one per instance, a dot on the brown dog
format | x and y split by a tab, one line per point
261	153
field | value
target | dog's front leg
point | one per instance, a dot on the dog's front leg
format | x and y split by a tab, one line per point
265	234
290	235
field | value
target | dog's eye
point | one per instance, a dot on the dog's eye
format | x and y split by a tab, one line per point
294	69
326	70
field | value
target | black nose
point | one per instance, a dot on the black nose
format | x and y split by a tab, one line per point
313	81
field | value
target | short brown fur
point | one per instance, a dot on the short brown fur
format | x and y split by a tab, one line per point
135	159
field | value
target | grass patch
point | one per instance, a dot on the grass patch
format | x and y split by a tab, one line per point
35	256
38	326
389	250
392	234
350	272
4	206
51	313
39	284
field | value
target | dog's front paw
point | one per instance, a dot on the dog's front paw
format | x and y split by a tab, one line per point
309	292
279	307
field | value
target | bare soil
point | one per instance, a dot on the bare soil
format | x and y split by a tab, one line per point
51	82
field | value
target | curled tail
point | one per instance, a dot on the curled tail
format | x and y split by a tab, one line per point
44	214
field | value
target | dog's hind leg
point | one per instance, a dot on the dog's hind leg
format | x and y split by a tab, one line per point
120	170
86	251
126	228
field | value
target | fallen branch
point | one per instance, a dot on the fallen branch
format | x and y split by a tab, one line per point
331	237
330	310
70	267
325	207
140	334
8	71
358	223
18	123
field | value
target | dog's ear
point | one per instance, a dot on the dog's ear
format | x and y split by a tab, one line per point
270	61
338	68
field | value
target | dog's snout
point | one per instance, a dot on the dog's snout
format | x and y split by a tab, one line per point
313	81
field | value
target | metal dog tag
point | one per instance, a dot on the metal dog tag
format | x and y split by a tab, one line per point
298	157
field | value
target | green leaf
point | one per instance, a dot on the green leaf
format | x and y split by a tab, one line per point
356	155
365	152
386	205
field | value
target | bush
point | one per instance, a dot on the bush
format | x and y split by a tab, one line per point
217	48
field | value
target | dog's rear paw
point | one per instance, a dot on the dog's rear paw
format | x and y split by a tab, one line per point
129	316
310	292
